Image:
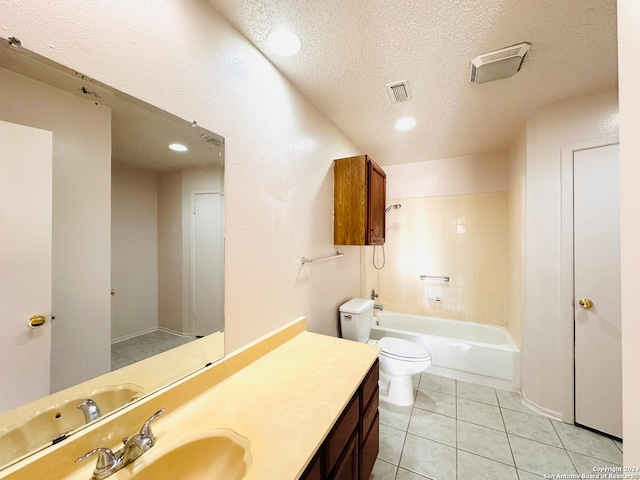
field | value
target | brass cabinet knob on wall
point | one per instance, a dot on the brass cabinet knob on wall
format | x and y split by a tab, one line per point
37	321
585	303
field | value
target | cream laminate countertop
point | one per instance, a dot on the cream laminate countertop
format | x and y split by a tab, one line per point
284	401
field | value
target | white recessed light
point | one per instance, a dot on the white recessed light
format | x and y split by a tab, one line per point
406	123
284	43
178	147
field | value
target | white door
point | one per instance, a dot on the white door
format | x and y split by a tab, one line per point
25	262
598	360
208	268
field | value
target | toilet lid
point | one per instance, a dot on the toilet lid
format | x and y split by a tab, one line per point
402	349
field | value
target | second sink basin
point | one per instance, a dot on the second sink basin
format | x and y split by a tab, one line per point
43	426
210	454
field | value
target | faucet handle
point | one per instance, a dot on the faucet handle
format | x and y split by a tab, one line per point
145	431
107	461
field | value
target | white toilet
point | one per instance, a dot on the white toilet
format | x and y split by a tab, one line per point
399	359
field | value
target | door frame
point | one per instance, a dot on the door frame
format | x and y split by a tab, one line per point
192	243
567	309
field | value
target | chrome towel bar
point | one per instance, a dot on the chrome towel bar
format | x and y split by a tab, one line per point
434	277
311	260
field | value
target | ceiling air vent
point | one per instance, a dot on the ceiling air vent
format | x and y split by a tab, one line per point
399	91
499	64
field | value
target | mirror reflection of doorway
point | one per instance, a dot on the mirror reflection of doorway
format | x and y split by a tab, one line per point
207	262
153	272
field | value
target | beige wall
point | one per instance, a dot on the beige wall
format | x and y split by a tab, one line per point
279	147
584	118
452	223
516	187
134	250
629	75
81	222
447	176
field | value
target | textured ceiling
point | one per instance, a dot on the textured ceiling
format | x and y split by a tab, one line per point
352	48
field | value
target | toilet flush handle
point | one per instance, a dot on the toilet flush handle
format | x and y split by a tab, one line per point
348	316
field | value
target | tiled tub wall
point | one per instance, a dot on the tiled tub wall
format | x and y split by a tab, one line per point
459	236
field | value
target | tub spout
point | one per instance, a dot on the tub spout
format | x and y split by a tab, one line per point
378	306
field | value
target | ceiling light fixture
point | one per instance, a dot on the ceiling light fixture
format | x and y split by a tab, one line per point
405	123
178	147
284	43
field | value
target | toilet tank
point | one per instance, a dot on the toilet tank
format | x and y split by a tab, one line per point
356	317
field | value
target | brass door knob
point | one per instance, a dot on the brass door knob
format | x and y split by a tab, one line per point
37	321
585	303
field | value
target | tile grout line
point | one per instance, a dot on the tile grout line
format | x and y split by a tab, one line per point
425	388
506	432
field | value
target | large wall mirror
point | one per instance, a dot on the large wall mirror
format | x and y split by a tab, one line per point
111	238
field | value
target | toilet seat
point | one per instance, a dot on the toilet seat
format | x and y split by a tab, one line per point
399	349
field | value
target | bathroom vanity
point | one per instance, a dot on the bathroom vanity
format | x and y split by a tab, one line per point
292	404
351	448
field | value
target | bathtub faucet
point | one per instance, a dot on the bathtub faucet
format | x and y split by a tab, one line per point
378	306
374	295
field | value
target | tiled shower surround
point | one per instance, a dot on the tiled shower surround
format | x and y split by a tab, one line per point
463	237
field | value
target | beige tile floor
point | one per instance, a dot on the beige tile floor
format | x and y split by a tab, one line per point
462	431
143	346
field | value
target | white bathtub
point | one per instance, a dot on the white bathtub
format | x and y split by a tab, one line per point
474	352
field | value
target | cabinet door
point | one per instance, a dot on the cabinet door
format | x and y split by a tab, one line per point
369	449
376	199
347	467
314	470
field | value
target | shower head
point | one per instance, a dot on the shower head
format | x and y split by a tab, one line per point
395	206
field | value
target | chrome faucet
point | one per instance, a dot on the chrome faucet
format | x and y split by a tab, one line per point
90	410
374	295
134	447
378	306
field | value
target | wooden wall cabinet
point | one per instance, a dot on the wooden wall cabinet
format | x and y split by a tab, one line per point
359	196
351	448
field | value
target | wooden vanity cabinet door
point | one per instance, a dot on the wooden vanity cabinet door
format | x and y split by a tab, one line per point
376	199
314	470
369	422
347	466
369	448
342	432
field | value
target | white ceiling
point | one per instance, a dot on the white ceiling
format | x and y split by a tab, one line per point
352	48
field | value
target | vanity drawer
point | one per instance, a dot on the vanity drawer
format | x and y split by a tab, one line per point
339	436
370	383
368	415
